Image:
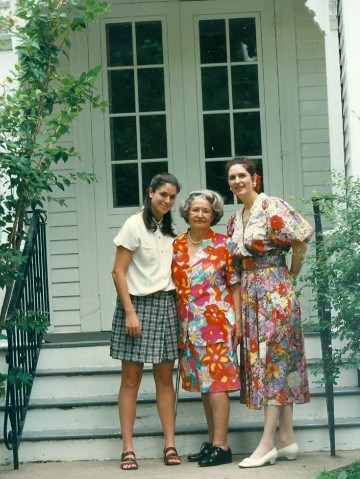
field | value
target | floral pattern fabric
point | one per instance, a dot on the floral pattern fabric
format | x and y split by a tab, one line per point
272	357
206	314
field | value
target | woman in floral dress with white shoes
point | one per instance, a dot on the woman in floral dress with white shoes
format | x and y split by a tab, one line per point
273	364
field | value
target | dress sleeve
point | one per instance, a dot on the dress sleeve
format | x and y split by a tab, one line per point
284	224
128	236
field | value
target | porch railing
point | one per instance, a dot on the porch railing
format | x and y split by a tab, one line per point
30	294
324	314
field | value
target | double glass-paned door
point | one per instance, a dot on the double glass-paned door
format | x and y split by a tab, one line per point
229	104
190	85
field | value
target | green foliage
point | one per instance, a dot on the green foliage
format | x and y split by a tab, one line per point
38	104
18	377
348	472
31	320
334	273
39	101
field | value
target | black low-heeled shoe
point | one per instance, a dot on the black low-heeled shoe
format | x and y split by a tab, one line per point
204	451
216	457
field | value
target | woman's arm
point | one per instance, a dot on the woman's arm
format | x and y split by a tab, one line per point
121	264
298	252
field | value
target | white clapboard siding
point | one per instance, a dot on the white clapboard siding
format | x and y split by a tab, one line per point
315	152
64	319
64	275
314	136
56	207
64	247
64	218
63	232
308	79
64	261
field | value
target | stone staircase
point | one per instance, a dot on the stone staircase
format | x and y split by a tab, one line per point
73	409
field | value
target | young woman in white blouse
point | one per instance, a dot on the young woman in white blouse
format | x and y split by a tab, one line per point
145	324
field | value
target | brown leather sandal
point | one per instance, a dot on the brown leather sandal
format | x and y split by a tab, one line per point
171	458
128	461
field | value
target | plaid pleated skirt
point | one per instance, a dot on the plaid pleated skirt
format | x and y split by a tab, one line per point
159	330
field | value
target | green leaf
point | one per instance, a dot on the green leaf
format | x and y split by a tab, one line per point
37	114
17	376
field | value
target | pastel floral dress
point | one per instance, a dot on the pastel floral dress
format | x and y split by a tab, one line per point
272	357
208	361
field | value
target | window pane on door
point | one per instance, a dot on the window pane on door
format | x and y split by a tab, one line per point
217	135
137	107
153	136
151	89
149	45
245	86
125	181
212	41
247	134
123	138
243	40
119	44
121	81
215	93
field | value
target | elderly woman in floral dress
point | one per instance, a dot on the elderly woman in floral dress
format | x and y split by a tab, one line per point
205	278
273	365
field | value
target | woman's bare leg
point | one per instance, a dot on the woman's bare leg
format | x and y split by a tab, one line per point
130	382
220	406
165	399
208	415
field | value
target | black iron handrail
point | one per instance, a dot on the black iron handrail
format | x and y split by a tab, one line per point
324	314
30	294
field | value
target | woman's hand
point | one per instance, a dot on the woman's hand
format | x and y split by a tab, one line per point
237	333
298	252
132	325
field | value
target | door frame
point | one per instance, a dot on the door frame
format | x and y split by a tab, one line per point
185	139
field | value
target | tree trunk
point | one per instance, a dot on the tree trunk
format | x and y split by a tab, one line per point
5	305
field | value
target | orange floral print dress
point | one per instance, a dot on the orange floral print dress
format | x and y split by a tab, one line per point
208	362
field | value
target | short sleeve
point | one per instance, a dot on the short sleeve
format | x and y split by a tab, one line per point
284	224
128	236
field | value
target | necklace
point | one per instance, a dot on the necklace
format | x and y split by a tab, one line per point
159	223
192	241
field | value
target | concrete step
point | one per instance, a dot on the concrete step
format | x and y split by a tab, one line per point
84	354
104	444
70	355
105	380
349	377
101	412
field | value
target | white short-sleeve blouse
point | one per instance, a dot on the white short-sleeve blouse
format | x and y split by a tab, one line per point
150	268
